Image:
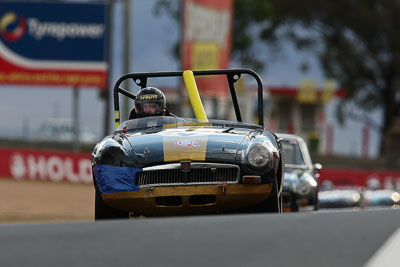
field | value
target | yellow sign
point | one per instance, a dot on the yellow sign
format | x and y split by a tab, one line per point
205	56
240	86
328	92
307	92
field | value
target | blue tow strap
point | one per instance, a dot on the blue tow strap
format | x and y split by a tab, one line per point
111	179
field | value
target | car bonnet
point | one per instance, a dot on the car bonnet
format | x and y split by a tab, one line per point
204	144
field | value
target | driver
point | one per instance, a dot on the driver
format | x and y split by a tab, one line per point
150	101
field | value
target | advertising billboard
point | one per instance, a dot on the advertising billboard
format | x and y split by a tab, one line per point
43	43
206	41
45	165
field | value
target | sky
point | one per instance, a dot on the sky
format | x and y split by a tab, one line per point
24	109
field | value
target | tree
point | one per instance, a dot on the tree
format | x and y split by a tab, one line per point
356	42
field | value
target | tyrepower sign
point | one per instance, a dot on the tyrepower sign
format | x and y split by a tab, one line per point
44	43
206	41
45	165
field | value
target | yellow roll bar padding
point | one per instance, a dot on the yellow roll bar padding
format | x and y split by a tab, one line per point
194	96
116	117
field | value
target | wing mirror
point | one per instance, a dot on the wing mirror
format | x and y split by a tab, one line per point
317	167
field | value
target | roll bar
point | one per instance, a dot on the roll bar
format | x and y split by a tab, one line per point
232	75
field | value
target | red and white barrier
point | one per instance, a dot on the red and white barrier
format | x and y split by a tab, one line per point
49	165
359	177
26	164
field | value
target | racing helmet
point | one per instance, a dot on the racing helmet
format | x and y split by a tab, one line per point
150	101
373	184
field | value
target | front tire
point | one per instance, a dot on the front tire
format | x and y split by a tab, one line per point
294	206
316	204
274	202
104	212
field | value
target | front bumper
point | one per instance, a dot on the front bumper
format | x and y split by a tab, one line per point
188	199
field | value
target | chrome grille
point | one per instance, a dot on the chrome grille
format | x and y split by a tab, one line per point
200	173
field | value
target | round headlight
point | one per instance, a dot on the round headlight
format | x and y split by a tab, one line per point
258	156
356	197
395	197
303	187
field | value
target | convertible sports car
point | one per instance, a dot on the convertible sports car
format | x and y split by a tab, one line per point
381	198
341	197
300	187
169	165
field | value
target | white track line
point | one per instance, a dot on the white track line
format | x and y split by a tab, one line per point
388	254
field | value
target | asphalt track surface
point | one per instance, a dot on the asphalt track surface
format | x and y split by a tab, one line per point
343	238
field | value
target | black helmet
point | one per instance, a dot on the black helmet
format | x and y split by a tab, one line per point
150	101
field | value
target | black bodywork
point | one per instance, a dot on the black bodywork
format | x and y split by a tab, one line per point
154	151
300	187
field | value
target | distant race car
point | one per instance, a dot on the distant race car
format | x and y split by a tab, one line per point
341	197
300	187
381	198
171	165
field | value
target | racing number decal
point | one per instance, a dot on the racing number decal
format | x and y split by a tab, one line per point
191	148
190	143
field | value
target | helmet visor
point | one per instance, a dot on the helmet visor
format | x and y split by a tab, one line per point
149	107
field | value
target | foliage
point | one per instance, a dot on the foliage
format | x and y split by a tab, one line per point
356	42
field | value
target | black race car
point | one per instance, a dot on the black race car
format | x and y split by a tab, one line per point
300	187
381	198
341	197
171	165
